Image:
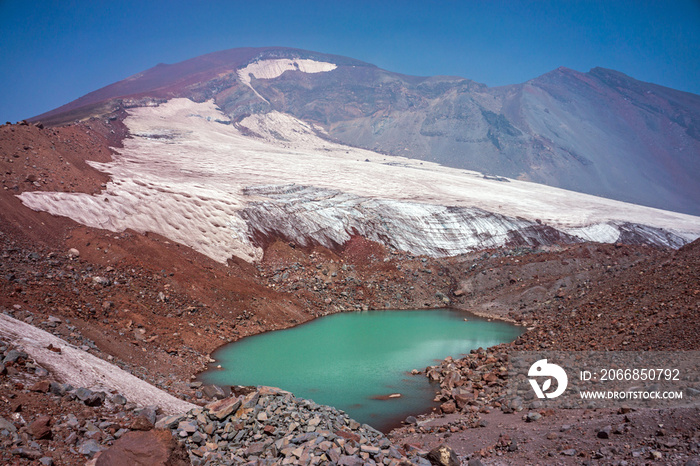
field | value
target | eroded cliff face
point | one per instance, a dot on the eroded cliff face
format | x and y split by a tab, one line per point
309	215
312	216
193	176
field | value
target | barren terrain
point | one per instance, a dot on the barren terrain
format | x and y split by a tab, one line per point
156	307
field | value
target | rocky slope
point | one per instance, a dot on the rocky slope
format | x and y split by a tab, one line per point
648	304
536	287
122	421
45	421
599	132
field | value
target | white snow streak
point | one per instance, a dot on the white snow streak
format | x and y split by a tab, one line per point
81	369
270	69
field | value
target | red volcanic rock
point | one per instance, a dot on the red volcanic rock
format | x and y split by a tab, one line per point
41	428
141	423
152	448
348	435
448	407
41	386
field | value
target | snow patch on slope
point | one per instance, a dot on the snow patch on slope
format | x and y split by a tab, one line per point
270	69
82	369
167	180
281	128
185	176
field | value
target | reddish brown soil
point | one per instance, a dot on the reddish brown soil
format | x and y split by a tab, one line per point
621	298
167	307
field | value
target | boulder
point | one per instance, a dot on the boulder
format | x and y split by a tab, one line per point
118	399
141	423
14	355
83	393
89	448
448	407
95	399
169	422
604	433
223	408
463	396
443	455
213	391
41	428
451	379
151	448
28	453
101	281
41	386
58	389
7	425
149	412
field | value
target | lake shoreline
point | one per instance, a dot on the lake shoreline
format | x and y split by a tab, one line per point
290	358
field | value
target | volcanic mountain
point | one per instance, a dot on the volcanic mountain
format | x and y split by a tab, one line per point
600	132
199	203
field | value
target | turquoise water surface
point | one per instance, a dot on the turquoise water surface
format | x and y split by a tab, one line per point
352	360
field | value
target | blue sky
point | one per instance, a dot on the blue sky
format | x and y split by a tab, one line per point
54	52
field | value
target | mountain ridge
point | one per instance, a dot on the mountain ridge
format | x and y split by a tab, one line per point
599	132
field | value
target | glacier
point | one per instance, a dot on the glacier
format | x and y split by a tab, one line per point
223	188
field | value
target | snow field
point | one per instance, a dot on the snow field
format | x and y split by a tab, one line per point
183	175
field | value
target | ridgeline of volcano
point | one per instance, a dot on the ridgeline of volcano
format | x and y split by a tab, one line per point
600	132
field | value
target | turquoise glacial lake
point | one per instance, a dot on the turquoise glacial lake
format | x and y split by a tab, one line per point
354	361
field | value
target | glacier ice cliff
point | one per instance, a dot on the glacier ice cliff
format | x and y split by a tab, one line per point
307	215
